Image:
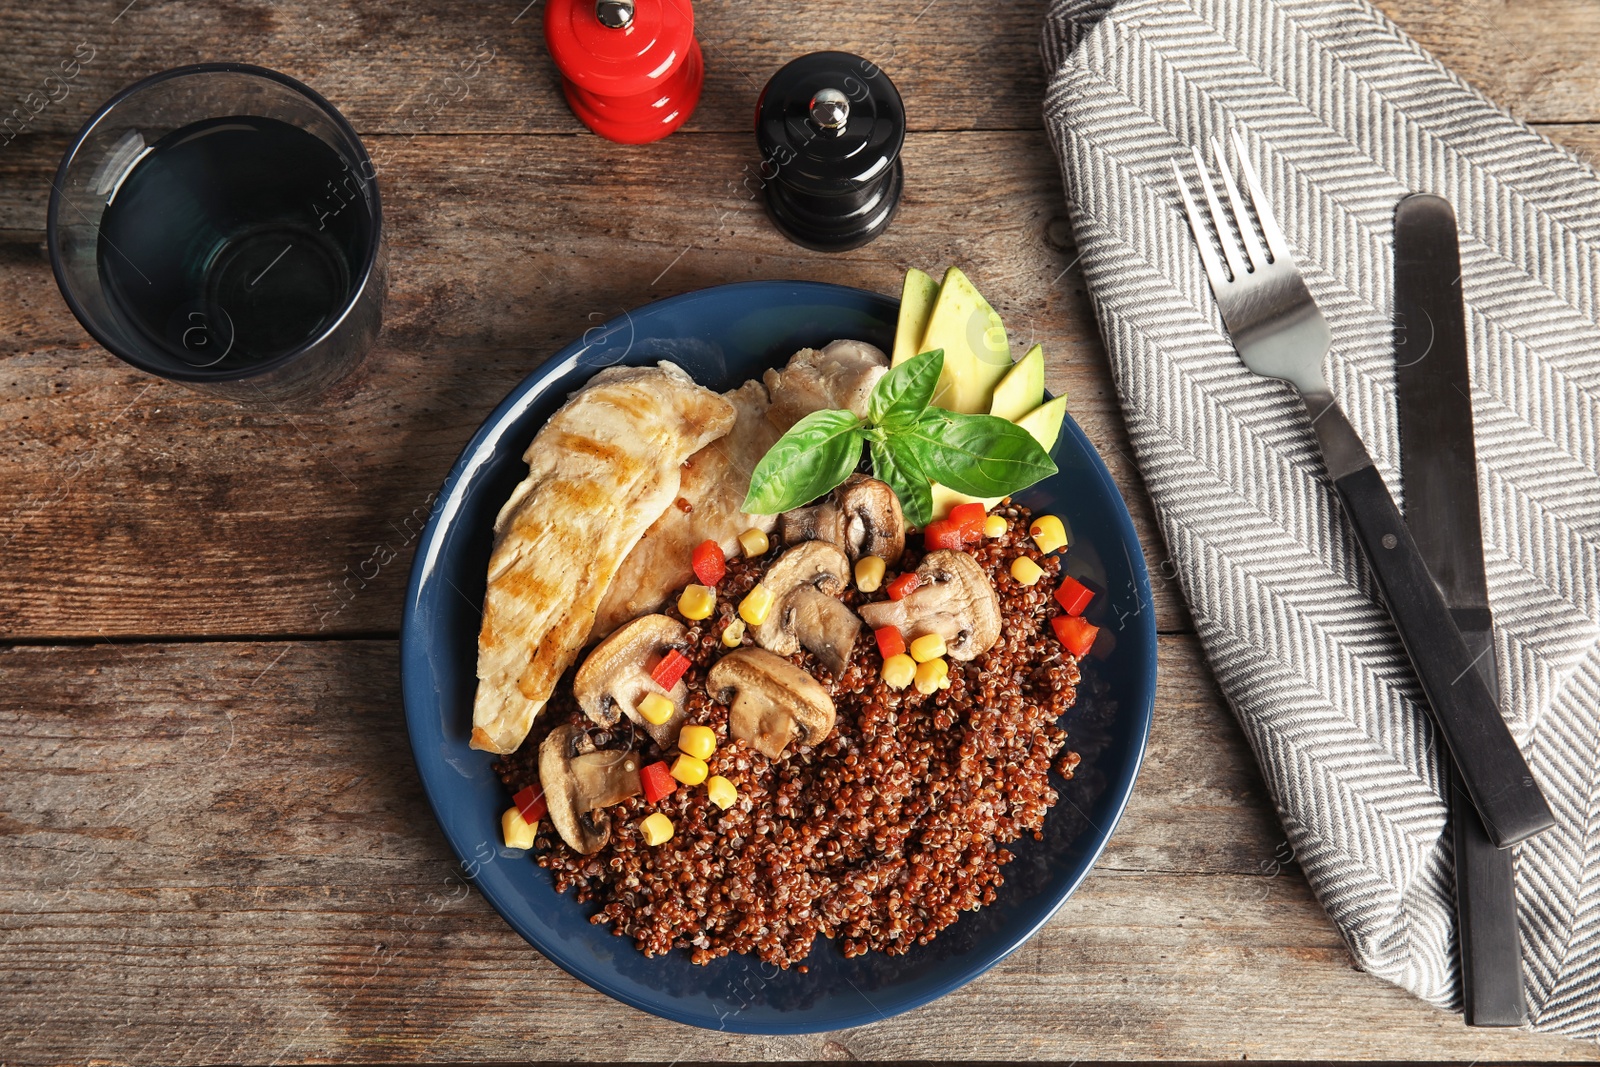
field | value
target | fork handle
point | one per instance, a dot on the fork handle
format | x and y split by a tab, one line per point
1491	766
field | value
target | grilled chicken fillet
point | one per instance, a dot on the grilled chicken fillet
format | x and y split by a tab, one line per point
840	375
604	468
715	481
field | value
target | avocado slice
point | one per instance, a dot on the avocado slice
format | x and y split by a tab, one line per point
916	304
1044	421
1022	389
976	352
945	498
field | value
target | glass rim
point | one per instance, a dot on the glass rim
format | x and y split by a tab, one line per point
370	255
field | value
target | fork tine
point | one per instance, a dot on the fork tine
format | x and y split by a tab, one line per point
1246	228
1258	200
1225	235
1202	239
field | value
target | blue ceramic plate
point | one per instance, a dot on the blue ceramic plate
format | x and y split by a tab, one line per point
722	336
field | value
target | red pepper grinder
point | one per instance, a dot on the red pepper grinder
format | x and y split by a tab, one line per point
631	68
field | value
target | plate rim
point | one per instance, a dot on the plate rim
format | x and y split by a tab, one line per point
551	367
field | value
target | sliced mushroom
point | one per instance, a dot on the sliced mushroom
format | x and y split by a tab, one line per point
953	599
862	517
616	676
580	781
771	702
805	584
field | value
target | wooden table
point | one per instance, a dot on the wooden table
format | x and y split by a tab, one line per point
215	845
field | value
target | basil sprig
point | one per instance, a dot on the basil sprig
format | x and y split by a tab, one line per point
911	445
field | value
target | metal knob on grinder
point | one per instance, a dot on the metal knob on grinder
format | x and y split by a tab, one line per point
830	126
631	69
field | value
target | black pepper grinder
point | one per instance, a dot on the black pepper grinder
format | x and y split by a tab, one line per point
830	126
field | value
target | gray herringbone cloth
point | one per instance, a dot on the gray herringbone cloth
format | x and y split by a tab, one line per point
1343	114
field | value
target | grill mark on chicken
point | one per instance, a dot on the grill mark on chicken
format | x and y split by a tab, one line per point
715	480
603	468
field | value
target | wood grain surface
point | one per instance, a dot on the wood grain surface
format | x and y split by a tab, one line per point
479	296
220	852
215	846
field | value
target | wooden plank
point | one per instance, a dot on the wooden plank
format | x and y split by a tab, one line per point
220	852
503	249
1582	139
1538	60
411	67
167	495
415	68
274	831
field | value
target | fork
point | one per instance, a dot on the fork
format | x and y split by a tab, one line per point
1280	333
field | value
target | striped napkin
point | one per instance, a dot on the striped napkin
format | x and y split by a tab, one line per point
1343	114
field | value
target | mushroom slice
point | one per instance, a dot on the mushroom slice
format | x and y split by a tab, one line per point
954	599
805	584
770	701
616	676
580	782
862	516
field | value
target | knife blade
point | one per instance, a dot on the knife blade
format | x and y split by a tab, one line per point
1439	463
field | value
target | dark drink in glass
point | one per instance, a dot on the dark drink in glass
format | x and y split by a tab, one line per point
220	226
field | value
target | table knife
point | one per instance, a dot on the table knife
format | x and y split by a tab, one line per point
1439	464
1279	332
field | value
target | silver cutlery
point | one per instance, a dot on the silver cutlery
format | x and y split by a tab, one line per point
1279	332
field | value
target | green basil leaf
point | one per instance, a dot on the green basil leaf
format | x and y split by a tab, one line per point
818	452
902	395
899	470
982	455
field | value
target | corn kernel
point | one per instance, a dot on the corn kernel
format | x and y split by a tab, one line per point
721	792
688	770
927	647
756	604
898	671
733	633
517	832
656	709
754	542
1048	533
933	675
1026	571
995	526
869	573
656	828
697	741
697	602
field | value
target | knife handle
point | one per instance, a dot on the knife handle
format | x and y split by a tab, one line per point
1486	892
1491	766
1493	771
1486	914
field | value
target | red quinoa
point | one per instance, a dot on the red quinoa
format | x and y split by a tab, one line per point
881	835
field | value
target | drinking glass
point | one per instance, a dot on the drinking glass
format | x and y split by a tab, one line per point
219	225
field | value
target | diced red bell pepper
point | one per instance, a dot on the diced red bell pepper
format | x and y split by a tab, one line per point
656	780
890	641
710	565
903	585
1076	633
530	801
671	667
941	533
969	519
1073	595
